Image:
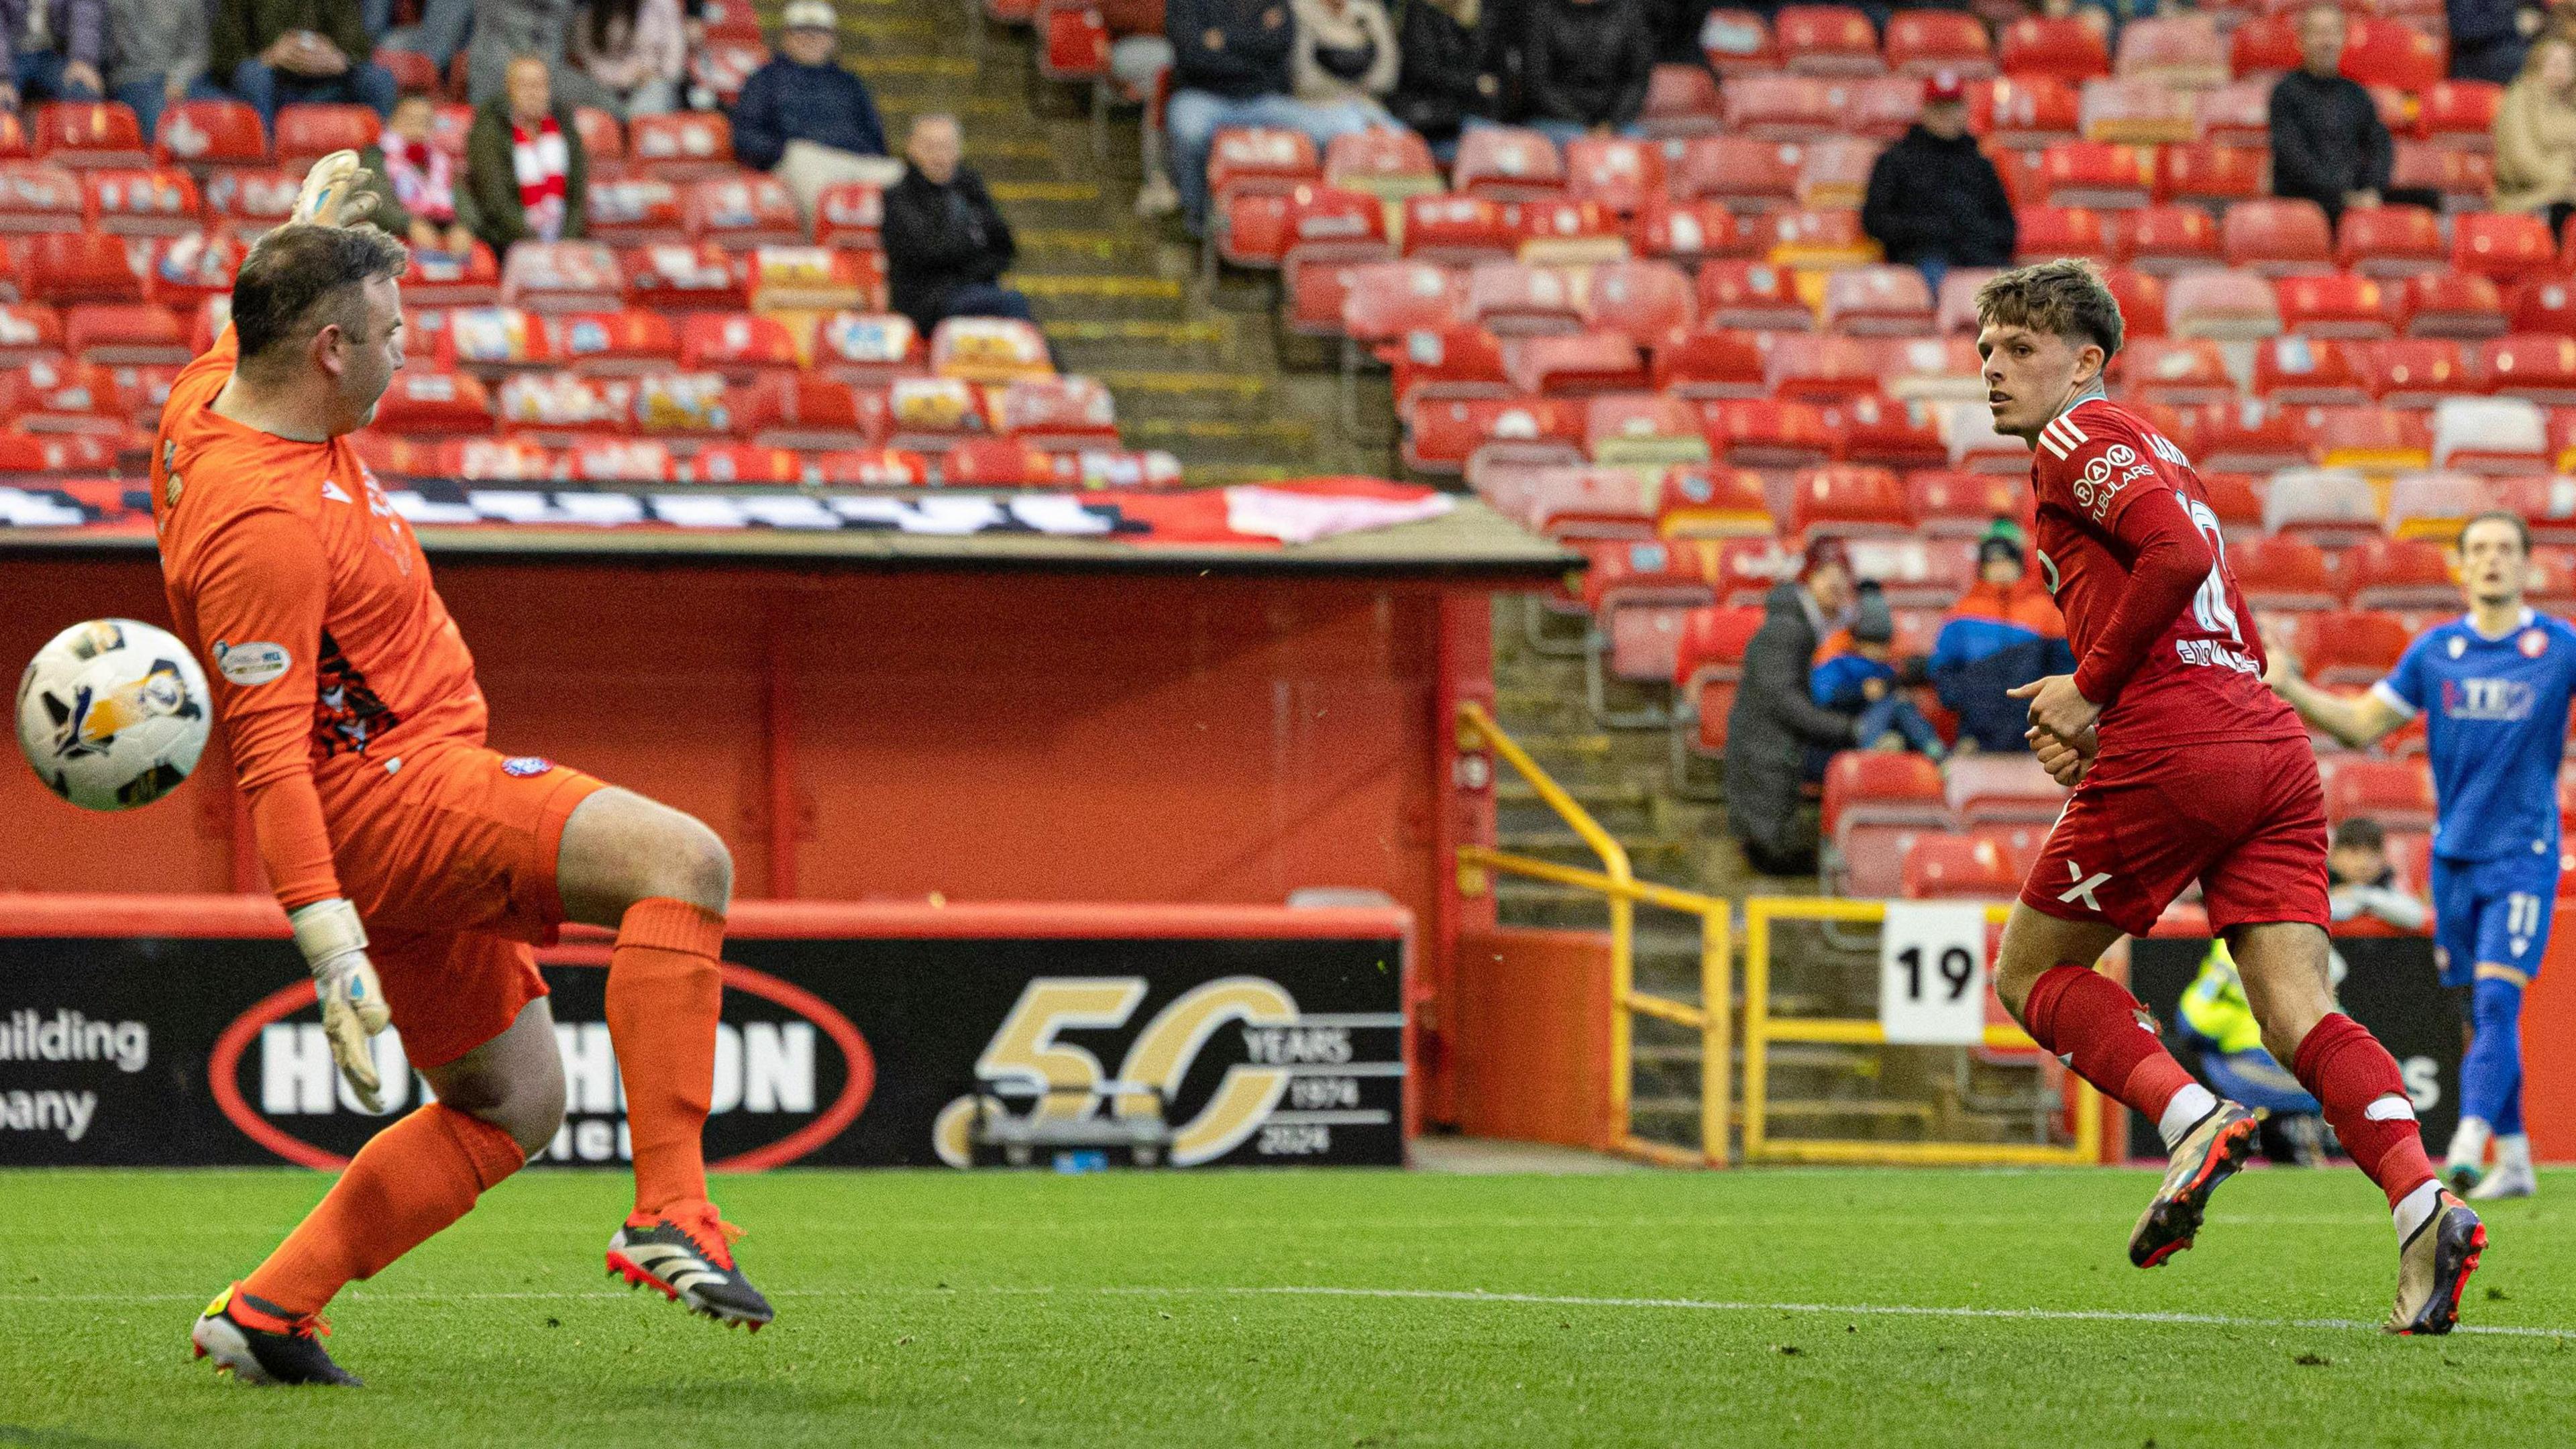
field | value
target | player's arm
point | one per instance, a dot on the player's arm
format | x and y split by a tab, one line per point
259	589
2170	560
2357	720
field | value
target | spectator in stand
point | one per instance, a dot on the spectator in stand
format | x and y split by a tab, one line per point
504	30
1451	72
1934	200
634	51
1344	56
157	54
1676	26
1232	65
1588	64
946	244
2362	881
415	182
2328	144
1777	736
2003	633
53	49
1857	677
2489	38
2218	1025
526	177
807	119
297	52
2535	136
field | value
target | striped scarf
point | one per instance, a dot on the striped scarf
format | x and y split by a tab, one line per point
540	161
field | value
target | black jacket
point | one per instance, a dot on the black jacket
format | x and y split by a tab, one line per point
1588	63
1774	724
1934	198
1250	57
940	238
2327	140
1450	71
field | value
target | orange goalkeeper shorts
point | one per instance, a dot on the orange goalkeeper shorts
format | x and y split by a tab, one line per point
450	859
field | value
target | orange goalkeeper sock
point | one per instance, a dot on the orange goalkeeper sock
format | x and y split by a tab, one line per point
665	991
410	1180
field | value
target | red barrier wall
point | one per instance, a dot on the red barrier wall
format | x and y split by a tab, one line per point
2548	1030
1530	1025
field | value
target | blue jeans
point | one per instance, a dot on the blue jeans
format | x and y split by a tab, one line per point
2253	1078
39	76
1194	117
1893	711
981	299
266	89
148	95
1563	131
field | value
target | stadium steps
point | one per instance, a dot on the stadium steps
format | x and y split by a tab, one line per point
1119	298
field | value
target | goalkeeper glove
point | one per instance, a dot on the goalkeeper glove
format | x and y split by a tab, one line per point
333	194
353	1001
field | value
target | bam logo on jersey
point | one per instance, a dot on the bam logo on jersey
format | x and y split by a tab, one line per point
2503	700
2104	476
1307	1059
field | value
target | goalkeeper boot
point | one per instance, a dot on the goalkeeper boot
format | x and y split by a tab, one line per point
686	1250
2208	1155
2433	1266
260	1343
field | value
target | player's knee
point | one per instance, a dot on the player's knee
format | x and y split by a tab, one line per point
692	864
531	1113
2495	1005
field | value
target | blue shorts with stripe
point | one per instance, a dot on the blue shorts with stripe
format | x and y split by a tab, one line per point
2495	911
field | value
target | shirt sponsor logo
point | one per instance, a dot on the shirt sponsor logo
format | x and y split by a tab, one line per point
257	662
526	765
2216	652
2503	700
2116	468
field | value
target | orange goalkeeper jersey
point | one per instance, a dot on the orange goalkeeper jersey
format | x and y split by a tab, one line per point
309	602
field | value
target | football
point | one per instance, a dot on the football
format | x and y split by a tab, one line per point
112	714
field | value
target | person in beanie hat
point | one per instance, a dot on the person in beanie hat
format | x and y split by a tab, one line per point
2003	633
1858	675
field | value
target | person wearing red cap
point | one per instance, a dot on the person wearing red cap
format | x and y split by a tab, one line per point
1935	201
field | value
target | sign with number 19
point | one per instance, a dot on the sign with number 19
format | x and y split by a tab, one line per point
1932	974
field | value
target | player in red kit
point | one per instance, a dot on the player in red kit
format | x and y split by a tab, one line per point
2185	767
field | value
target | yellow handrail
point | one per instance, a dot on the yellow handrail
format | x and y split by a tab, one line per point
1622	892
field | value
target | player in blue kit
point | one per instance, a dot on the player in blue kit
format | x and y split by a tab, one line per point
2493	688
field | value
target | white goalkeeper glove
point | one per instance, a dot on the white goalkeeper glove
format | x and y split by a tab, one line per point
353	1001
332	193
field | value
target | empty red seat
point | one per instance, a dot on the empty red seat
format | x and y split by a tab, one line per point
38	196
2242	437
2373	439
2504	246
1507	163
1072	42
1455	229
682	146
2049	232
1709	364
2381	51
1959	867
1619	173
306	132
209	133
1738	42
2461	114
1681	100
1383	161
2024	112
2465	179
63	268
2226	305
2417	371
1686	231
249	201
1926	42
1699	500
1577	363
1755	296
2204	172
2334	304
1745	173
2346	648
420	402
2142	112
124	332
1829	40
2097	174
2396	793
2308	372
2264	46
1844	499
1886	301
846	213
2399	573
1779	107
1817	368
2539	367
743	211
2281	573
2184	51
2390	241
603	136
1882	787
140	203
1391	299
635	210
1767	433
743	346
88	133
2054	49
2141	295
2450	304
2278	236
2180	372
1648	302
2167	239
2329	507
2237	117
2545	304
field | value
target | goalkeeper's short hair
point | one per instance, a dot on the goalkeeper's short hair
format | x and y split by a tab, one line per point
301	278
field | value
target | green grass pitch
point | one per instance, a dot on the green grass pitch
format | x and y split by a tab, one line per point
1321	1308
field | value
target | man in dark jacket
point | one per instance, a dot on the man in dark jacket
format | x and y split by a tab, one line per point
1588	64
1451	70
805	118
526	175
289	52
2328	144
2489	38
946	245
1935	201
1775	726
1230	67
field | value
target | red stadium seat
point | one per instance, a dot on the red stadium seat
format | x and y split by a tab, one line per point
1738	43
1648	302
1056	412
306	133
2205	173
2390	241
1848	501
1512	299
745	346
2249	436
2062	50
1882	108
1072	42
2400	573
593	459
1447	362
1455	230
1331	228
2179	372
682	146
1755	296
846	213
2238	117
1621	174
2264	46
2183	51
420	403
603	136
63	268
722	66
1587	502
2396	793
1767	433
2001	789
1817	368
1964	505
52	396
2450	304
2097	174
1826	40
1386	300
2228	306
1744	173
2466	179
37	196
2024	112
29	330
2373	439
1928	42
2545	304
2461	114
2434	505
2387	52
1779	107
1577	364
88	133
2329	507
2346	648
561	277
1889	433
1444	436
1711	650
2141	295
2498	436
1381	161
1879	787
1681	100
2049	232
672	279
209	133
1508	164
248	201
865	347
2334	304
1881	301
2416	372
2503	246
2136	113
2168	239
635	210
2278	237
1696	500
1959	867
129	332
1711	364
183	271
2281	573
2306	372
2541	368
1686	231
742	211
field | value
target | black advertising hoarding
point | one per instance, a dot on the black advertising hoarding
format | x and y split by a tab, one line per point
1255	1049
2389	984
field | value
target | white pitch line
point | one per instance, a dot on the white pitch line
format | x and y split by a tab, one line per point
1436	1295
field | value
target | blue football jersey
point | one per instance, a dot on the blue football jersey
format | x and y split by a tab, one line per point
2495	719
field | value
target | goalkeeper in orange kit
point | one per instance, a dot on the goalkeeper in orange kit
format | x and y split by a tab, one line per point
416	866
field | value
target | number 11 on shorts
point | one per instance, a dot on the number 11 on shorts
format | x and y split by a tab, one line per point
1932	974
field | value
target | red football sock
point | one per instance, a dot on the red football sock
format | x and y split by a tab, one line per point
665	992
410	1180
2099	1029
2346	1069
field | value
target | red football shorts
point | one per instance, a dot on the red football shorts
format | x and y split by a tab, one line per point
450	860
2247	819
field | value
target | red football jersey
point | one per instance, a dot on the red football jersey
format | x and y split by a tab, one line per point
2112	491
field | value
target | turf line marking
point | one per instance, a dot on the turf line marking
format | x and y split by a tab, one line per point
1890	1310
